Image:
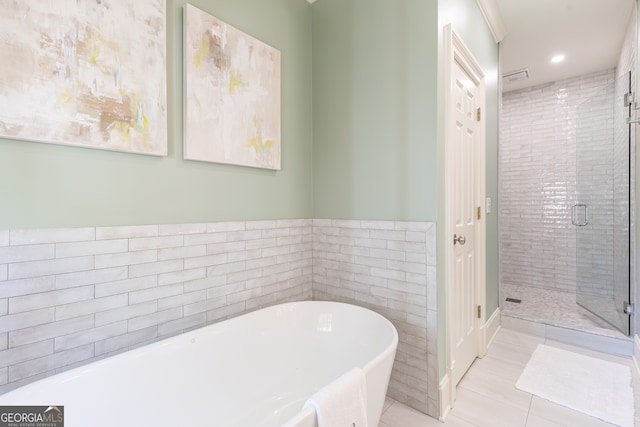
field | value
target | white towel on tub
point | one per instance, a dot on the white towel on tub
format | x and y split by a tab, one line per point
343	402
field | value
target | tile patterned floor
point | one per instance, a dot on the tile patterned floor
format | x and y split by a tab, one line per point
487	396
553	308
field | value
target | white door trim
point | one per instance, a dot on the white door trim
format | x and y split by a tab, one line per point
456	51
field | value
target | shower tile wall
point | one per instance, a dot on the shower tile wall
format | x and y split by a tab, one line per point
595	174
538	180
71	296
389	267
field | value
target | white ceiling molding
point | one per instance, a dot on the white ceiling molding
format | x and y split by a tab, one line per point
494	20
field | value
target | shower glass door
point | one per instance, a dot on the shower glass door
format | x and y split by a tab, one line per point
601	212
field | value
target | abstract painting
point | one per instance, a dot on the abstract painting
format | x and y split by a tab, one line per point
231	94
88	73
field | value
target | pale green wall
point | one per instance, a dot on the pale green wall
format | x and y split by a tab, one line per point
378	93
374	109
44	185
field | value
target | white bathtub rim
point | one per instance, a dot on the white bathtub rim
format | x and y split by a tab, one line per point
307	413
306	416
165	340
380	358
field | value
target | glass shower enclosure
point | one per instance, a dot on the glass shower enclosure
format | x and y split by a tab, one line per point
601	213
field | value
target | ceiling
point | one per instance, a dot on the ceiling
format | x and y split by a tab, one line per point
588	32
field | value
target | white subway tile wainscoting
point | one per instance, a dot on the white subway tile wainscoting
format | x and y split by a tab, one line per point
75	295
72	296
389	267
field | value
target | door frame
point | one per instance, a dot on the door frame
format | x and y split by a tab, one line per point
455	50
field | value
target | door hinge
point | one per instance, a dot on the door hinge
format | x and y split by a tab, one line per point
478	114
478	213
628	308
479	312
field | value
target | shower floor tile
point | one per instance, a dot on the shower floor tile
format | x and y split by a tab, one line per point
552	307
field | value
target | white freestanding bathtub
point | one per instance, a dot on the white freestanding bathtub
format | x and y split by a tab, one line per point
254	370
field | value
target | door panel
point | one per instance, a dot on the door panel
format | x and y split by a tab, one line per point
463	209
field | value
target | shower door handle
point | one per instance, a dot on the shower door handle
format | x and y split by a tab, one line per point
574	216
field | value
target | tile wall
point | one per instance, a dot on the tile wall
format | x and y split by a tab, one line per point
538	180
596	171
71	296
389	267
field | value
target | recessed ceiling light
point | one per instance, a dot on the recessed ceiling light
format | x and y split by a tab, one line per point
557	58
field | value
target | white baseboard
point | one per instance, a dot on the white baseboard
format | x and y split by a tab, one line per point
636	353
489	331
445	396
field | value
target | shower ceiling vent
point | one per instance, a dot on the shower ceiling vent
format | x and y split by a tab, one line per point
515	76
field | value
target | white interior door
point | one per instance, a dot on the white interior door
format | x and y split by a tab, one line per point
464	214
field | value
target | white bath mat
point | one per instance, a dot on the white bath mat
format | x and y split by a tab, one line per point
595	387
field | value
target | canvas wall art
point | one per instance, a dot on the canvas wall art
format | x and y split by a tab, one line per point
231	94
84	72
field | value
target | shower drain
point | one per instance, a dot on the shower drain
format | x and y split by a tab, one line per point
516	300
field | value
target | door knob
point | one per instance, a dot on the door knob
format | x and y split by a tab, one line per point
459	239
